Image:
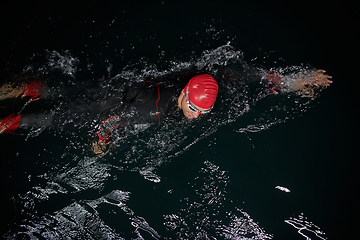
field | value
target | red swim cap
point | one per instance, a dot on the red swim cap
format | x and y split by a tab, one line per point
203	90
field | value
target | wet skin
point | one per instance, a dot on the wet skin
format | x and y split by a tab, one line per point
184	107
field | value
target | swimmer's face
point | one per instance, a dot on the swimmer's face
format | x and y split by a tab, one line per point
185	109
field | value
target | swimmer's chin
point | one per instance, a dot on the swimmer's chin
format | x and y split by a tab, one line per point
189	116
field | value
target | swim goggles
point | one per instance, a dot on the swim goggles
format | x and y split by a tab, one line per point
192	106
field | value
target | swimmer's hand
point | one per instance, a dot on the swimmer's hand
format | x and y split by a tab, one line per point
100	148
308	84
320	79
9	91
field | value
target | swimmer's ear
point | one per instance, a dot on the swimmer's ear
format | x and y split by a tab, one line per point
182	95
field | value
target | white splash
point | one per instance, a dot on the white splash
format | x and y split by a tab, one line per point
284	189
306	228
63	61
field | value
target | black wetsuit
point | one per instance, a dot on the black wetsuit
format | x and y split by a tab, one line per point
148	102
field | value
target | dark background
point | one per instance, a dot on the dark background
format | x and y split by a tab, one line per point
330	29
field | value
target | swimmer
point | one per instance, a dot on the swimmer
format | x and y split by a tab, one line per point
191	94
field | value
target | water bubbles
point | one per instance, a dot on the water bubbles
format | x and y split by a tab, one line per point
204	215
284	189
149	175
306	228
63	61
112	22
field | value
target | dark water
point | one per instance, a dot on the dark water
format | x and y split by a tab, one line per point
283	168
